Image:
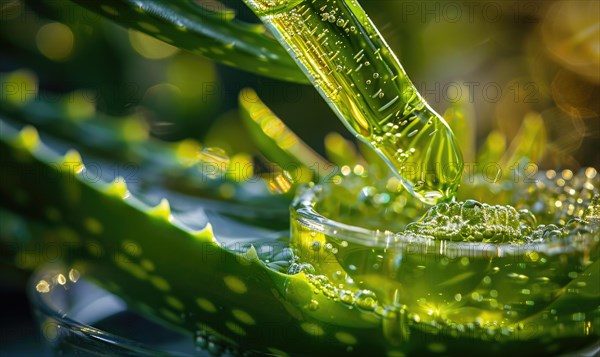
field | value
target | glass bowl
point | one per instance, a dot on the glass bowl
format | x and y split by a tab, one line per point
77	317
539	297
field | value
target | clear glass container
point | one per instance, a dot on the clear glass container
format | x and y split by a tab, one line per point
535	297
77	317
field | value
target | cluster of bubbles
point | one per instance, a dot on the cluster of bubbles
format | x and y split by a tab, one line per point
472	221
363	299
555	205
330	16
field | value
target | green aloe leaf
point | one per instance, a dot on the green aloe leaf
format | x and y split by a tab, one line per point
492	149
128	258
529	146
461	118
210	31
277	142
341	151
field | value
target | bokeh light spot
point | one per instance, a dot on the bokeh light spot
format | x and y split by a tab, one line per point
55	41
149	47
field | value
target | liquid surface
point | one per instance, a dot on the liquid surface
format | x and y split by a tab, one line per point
353	68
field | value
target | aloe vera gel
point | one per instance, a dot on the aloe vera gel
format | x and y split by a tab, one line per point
362	80
492	277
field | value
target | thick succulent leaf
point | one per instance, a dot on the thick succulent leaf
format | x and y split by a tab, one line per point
341	151
529	145
212	32
461	118
492	149
108	233
186	169
185	166
525	150
277	142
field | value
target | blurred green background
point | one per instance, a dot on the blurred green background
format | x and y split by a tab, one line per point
499	59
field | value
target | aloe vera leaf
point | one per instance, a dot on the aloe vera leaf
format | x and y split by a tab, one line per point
277	142
127	142
340	150
492	149
528	146
461	118
212	32
111	233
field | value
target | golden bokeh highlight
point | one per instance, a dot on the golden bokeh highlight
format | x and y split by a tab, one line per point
571	34
80	105
149	47
19	87
55	41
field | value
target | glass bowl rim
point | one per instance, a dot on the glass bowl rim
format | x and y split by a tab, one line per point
40	303
303	211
